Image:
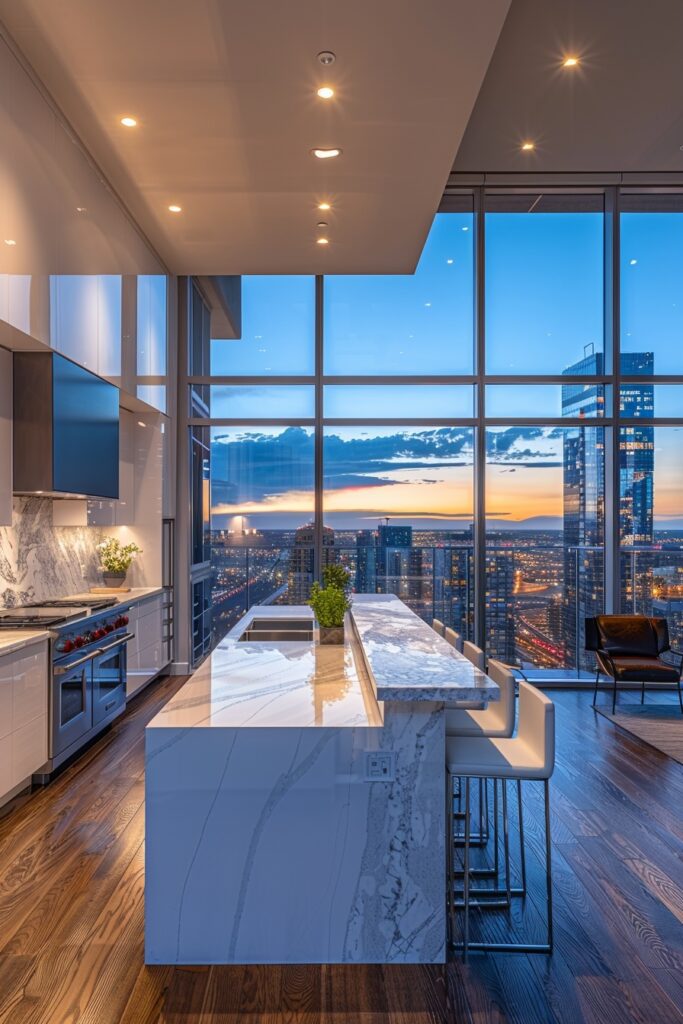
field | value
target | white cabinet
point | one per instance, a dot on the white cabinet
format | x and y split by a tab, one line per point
5	437
146	650
23	716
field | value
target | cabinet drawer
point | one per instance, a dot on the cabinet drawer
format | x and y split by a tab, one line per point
29	749
30	687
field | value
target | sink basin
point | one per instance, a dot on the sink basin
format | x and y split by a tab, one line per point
265	629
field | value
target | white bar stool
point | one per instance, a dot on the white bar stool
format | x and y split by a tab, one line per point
453	638
496	720
438	626
474	654
529	756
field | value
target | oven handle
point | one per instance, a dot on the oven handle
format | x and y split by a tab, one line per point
117	643
61	670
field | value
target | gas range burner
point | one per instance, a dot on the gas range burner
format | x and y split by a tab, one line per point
37	617
95	605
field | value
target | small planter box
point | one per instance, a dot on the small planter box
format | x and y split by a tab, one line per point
331	634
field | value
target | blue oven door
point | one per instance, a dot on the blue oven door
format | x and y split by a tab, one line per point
109	680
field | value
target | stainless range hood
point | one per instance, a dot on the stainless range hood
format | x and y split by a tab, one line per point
66	429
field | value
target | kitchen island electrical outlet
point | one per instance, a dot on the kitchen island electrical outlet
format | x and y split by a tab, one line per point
380	766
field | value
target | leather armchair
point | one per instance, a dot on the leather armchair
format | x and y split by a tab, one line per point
629	648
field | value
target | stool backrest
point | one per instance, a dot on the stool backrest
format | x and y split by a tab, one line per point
438	626
504	709
454	639
474	654
536	725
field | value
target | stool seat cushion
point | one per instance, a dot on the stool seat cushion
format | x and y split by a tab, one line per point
474	721
509	758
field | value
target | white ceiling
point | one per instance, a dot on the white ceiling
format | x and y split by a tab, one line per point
621	109
224	93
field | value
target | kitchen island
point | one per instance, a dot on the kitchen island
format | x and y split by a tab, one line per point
296	796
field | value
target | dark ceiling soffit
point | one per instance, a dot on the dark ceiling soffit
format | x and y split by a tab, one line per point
224	296
558	179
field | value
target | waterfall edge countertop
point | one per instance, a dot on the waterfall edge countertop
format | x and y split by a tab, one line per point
389	654
290	815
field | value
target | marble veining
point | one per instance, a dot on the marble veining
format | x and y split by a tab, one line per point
39	560
408	660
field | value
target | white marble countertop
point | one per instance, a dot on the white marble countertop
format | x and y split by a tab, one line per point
15	639
408	660
263	684
134	595
390	655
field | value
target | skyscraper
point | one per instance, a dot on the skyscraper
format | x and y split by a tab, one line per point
300	575
584	488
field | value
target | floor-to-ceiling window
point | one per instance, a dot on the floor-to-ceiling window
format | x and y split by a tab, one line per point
495	438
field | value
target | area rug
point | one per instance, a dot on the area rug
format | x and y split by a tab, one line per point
659	725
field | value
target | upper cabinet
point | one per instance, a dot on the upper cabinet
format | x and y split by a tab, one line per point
5	437
85	321
76	274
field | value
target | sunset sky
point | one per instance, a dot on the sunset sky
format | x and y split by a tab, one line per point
544	308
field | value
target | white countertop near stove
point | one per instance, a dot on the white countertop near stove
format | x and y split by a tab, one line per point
134	595
15	639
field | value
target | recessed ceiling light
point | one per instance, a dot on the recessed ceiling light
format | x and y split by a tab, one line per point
323	241
322	223
326	57
325	92
81	209
10	241
324	206
527	146
175	209
570	62
325	154
128	122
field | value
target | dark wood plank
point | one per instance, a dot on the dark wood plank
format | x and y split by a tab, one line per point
71	906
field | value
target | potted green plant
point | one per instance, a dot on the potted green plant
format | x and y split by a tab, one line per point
115	559
330	604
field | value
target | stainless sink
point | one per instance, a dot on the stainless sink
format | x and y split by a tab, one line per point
262	630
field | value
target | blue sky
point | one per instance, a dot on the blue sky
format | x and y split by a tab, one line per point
544	307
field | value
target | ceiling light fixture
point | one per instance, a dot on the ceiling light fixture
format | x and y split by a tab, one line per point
10	241
322	223
570	62
527	146
324	206
323	241
173	208
81	209
129	122
325	154
326	57
326	92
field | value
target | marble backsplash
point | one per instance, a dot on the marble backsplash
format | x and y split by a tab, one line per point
39	560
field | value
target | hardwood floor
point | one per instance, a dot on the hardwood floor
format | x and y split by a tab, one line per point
71	906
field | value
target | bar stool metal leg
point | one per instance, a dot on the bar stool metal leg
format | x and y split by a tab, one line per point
466	938
522	849
511	947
